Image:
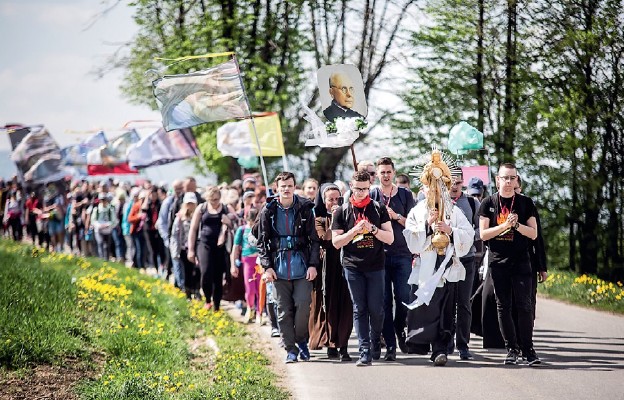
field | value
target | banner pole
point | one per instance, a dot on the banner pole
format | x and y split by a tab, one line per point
354	159
253	125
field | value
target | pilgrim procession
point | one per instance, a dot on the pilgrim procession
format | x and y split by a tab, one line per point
312	200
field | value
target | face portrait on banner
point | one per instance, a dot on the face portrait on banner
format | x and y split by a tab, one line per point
342	92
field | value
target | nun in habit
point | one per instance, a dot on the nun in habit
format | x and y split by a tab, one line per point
434	276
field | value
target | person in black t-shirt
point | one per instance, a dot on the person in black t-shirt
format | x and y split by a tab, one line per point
507	221
361	227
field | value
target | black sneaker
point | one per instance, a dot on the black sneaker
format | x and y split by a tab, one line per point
375	350
512	357
531	357
390	354
365	359
344	355
332	353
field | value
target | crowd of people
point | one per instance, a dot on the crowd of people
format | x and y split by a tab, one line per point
316	261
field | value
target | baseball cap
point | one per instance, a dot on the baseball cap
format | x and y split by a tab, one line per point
475	186
189	197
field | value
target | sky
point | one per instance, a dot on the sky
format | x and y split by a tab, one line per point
46	70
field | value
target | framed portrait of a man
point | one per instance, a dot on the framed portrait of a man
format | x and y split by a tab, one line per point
342	92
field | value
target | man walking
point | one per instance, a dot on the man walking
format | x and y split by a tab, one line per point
469	206
508	222
361	227
398	265
288	246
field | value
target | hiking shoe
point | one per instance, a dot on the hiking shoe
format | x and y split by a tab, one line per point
365	359
390	354
440	360
332	353
274	332
304	352
512	357
375	350
464	354
531	357
344	355
291	358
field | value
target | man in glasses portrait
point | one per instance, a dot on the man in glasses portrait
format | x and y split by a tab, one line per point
342	92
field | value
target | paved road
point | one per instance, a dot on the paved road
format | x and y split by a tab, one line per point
582	353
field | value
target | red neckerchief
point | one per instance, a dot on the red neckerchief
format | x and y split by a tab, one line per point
359	204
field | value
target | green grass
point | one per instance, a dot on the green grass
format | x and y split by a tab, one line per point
584	290
133	331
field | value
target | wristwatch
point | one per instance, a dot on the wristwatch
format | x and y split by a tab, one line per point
516	225
374	230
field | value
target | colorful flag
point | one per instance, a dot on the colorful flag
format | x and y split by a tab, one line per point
237	139
214	94
77	154
37	156
162	147
112	157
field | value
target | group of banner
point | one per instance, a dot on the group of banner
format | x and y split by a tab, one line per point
39	159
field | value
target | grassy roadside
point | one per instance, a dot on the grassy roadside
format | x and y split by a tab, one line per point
585	290
138	336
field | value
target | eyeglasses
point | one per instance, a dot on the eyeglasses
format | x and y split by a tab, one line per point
373	173
344	89
360	190
508	178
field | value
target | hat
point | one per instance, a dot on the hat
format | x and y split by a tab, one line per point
189	197
135	192
102	196
475	186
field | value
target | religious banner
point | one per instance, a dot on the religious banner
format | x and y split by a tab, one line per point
213	94
112	157
344	106
237	139
162	147
37	156
76	155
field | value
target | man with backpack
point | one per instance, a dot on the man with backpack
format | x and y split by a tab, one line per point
288	246
170	206
361	227
470	207
398	266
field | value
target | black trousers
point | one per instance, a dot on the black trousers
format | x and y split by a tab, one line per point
510	286
212	267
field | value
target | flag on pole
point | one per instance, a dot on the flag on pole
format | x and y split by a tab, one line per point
112	157
76	155
37	156
213	94
237	139
162	147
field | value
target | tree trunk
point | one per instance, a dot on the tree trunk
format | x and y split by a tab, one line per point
509	124
479	73
325	167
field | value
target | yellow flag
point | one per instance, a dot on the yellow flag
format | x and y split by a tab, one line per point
269	135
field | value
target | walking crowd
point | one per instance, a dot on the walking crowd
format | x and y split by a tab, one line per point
316	261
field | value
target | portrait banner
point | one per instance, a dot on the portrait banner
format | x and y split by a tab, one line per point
341	91
112	157
213	94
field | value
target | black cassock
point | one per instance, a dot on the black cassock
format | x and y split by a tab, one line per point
430	326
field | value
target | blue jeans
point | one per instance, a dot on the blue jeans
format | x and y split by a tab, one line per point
398	269
140	249
178	272
120	244
367	294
